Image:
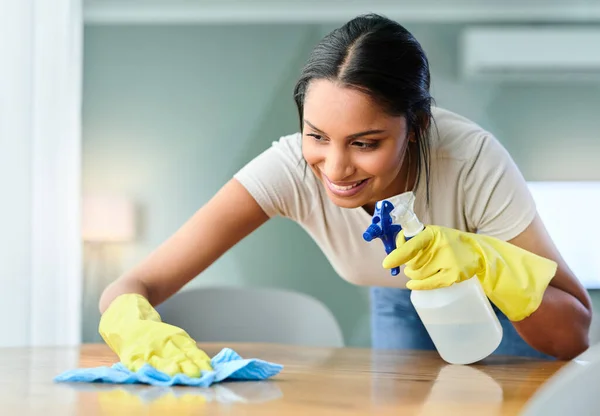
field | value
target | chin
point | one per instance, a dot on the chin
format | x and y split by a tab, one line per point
346	204
349	203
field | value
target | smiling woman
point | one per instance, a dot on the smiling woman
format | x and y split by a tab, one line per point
368	132
354	95
358	166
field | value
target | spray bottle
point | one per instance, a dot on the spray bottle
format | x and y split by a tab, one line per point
459	318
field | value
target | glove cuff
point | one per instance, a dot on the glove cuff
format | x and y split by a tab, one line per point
545	270
132	306
519	299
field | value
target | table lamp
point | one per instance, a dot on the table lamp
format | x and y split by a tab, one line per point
108	221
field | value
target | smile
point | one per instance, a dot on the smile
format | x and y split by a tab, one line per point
347	189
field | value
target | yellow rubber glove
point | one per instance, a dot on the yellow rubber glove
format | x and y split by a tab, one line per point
132	328
512	278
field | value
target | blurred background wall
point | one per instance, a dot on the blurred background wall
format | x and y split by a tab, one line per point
172	112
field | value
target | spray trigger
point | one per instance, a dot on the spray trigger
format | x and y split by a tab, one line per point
383	227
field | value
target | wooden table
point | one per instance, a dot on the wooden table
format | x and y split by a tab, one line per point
314	381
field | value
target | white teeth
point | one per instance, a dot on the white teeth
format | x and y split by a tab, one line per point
345	188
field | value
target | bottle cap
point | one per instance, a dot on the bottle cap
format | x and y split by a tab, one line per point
403	214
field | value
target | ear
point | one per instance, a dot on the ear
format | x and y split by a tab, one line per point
411	137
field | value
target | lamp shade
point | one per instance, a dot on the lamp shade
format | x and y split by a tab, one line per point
107	219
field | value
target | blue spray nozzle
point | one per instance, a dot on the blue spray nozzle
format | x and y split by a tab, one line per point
372	232
383	227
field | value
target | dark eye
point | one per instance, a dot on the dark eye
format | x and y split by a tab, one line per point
318	138
365	145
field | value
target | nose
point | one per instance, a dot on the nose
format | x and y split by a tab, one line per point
338	165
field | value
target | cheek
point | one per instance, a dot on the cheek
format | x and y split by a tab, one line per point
380	163
311	152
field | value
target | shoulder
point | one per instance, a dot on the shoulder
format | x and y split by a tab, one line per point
281	156
279	179
289	147
457	138
496	198
461	145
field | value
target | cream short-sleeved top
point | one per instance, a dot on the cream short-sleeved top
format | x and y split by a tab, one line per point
474	184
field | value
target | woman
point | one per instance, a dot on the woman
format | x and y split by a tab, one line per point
368	132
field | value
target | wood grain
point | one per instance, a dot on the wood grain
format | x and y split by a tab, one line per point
315	381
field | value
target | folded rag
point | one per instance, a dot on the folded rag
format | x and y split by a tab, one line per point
227	365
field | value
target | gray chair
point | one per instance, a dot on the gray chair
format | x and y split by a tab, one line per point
239	314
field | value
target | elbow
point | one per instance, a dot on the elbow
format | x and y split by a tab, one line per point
575	347
572	345
560	327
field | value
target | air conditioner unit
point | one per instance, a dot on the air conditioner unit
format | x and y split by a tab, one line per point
533	54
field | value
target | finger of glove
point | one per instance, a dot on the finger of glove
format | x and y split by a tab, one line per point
192	352
198	357
407	250
416	274
400	239
442	279
189	368
201	359
161	364
426	262
421	270
166	365
134	365
170	365
173	349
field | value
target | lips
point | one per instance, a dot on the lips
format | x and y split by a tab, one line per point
345	189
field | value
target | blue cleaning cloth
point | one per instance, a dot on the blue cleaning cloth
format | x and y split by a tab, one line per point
227	365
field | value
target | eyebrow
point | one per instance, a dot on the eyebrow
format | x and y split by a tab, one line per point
352	136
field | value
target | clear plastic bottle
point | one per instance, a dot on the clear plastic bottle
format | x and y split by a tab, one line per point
459	318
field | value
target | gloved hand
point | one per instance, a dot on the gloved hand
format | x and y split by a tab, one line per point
132	328
512	278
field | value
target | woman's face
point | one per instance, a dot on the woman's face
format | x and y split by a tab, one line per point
352	145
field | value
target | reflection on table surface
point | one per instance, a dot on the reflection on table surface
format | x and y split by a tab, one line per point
314	381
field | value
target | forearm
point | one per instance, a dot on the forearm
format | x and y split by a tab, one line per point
193	248
165	271
559	327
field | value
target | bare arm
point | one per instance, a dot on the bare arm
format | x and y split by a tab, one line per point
560	326
226	219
